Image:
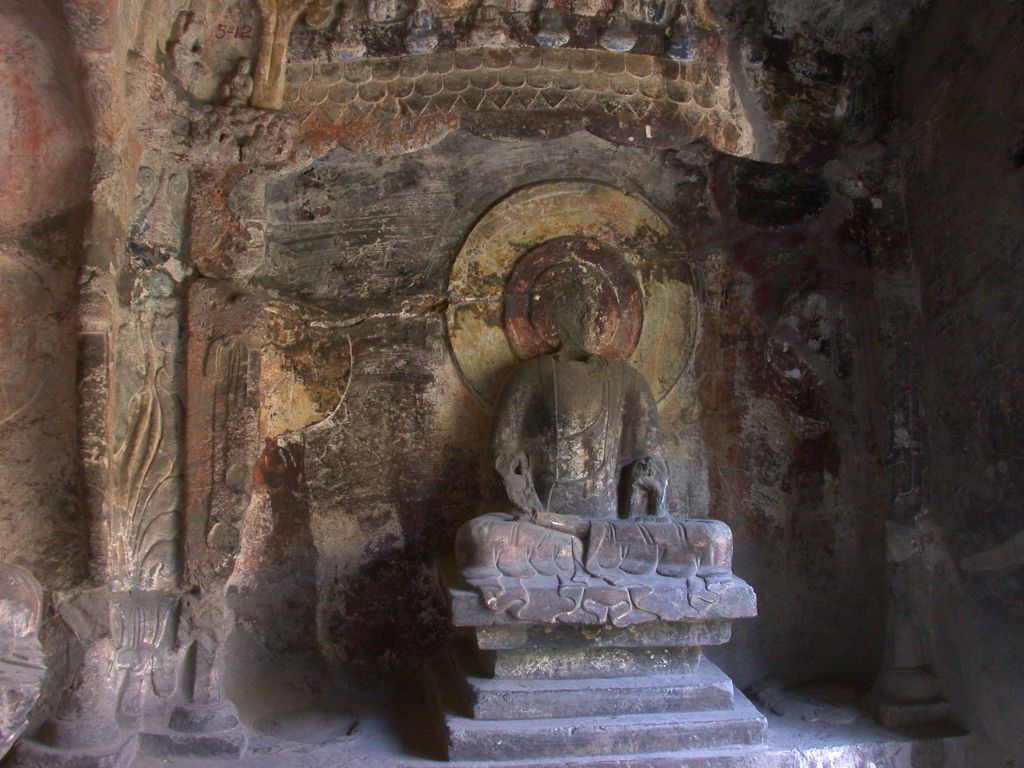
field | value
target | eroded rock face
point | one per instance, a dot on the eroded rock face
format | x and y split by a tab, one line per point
22	665
45	151
45	148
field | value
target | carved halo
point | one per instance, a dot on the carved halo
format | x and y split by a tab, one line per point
500	305
599	269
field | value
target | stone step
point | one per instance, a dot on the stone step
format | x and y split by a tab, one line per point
469	739
707	688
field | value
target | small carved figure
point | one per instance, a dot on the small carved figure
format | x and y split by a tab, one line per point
653	11
385	11
420	37
237	87
578	445
551	30
347	38
489	28
619	35
682	41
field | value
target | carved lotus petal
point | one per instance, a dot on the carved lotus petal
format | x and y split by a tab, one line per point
625	85
678	91
581	61
566	81
412	67
467	59
498	98
456	81
611	64
526	58
512	77
428	85
538	78
386	69
555	61
341	93
440	64
415	103
496	58
357	72
472	98
640	66
669	69
705	95
552	97
400	87
444	101
595	81
372	91
484	79
653	87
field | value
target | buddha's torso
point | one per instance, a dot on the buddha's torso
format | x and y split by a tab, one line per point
575	425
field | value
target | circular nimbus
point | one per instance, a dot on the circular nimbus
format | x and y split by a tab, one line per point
500	308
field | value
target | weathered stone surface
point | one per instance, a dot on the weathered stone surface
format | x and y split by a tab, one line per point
734	600
679	102
511	635
46	137
469	739
585	662
22	664
963	195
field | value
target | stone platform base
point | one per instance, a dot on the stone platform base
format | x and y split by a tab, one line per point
740	726
517	690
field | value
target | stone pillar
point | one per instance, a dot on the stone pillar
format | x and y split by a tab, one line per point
144	494
907	692
46	159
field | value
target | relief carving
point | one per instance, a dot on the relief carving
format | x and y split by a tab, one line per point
156	234
145	486
494	89
490	29
421	35
278	18
619	35
346	34
184	50
551	30
236	90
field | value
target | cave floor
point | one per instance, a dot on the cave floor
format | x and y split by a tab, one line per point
396	726
394	731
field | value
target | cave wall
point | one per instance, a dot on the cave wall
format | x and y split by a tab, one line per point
261	315
960	100
46	154
774	426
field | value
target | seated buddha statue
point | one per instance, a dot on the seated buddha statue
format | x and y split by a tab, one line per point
583	535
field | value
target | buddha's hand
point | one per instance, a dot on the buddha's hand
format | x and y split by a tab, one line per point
515	470
648	481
